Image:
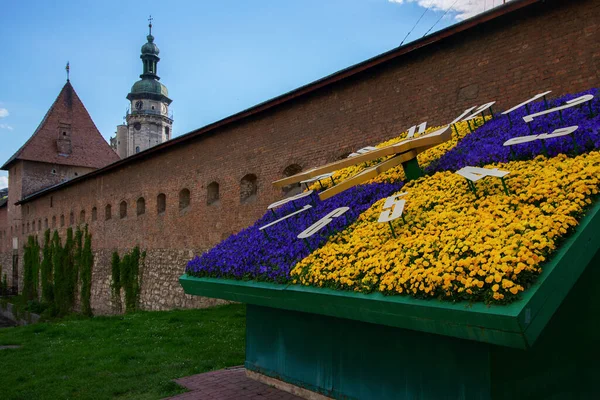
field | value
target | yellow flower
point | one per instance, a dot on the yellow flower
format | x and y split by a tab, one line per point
453	243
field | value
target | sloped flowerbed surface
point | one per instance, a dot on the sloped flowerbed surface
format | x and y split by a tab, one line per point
454	243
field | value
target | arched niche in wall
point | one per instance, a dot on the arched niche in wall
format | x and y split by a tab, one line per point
294	188
161	203
141	206
184	199
212	194
123	209
248	188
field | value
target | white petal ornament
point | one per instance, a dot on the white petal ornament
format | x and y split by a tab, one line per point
526	104
292	199
393	209
322	223
474	174
568	131
262	228
569	104
480	109
422	128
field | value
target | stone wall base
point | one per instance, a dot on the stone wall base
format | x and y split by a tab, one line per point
286	387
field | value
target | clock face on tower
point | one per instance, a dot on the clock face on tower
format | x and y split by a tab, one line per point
138	105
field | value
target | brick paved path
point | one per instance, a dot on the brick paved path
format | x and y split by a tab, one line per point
228	384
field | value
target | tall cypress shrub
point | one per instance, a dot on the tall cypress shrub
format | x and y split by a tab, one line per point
76	267
31	268
130	279
46	270
86	263
62	260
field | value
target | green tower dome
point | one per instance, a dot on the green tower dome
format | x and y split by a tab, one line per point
149	86
150	47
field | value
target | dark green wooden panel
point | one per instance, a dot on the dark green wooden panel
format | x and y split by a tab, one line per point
357	360
563	363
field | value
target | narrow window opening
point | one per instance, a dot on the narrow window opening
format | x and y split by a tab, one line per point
184	199
123	209
161	203
141	206
212	193
294	188
248	188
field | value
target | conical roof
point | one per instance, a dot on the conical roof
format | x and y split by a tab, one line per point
88	147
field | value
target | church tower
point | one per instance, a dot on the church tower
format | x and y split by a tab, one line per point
148	123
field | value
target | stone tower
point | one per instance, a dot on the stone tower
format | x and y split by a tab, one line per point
148	123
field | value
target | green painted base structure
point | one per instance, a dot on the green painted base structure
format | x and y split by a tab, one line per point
343	358
370	346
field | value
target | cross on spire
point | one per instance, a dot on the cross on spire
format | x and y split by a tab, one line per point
67	68
150	19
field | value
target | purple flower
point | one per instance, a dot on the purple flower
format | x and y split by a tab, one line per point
271	254
485	145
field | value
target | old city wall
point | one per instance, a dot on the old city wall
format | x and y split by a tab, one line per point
548	46
5	259
41	175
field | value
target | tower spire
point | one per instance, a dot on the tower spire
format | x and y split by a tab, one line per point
150	19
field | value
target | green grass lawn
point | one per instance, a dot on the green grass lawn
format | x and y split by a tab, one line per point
134	356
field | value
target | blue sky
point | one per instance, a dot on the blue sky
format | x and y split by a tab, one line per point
217	57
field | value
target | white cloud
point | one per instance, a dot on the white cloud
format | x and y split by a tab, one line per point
463	8
6	126
3	182
3	112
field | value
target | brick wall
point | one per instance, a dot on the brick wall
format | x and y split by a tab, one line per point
40	175
548	46
4	229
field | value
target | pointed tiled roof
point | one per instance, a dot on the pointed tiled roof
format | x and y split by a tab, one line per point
88	147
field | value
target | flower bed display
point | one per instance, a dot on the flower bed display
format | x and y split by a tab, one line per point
454	243
269	255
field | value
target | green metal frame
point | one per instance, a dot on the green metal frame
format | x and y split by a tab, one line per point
412	169
516	325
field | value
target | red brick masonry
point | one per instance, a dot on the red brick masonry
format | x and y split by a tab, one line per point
228	384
